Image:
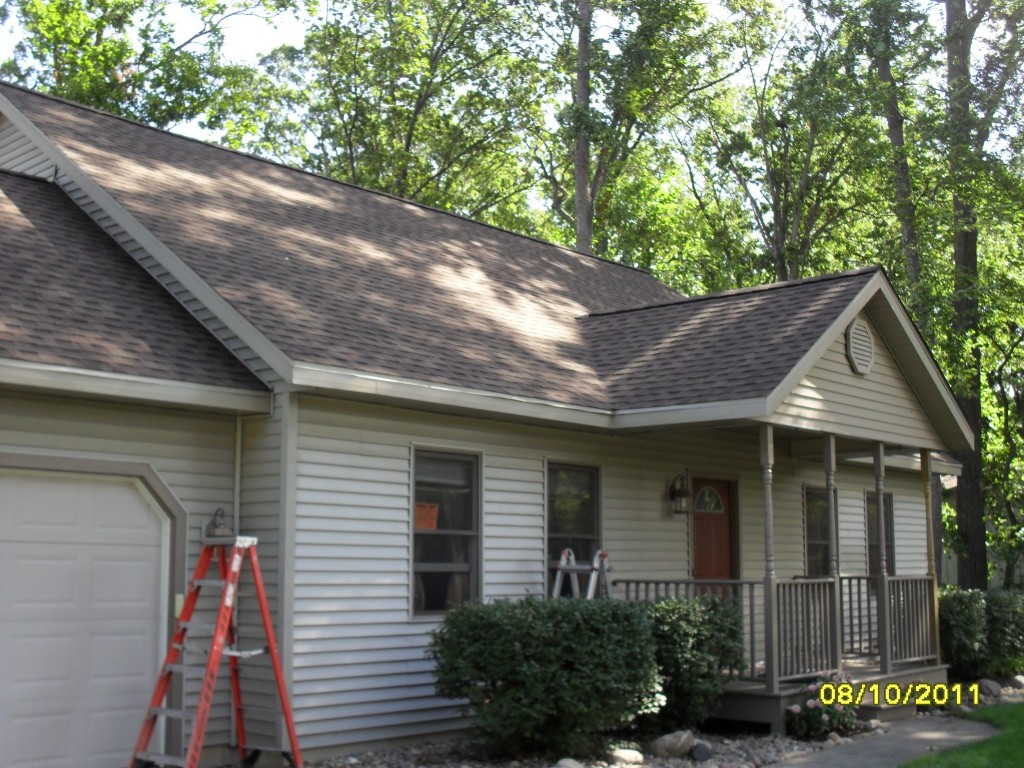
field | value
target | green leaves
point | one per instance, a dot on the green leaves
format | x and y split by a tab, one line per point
158	62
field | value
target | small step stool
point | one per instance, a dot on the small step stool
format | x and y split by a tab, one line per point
596	573
230	553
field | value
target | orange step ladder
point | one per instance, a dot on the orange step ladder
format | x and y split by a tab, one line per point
230	553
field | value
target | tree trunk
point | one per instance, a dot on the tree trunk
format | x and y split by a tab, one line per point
581	158
906	212
972	570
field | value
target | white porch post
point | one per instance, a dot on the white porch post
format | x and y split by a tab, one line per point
771	626
926	481
884	617
836	617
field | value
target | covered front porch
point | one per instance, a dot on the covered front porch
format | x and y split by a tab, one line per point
877	627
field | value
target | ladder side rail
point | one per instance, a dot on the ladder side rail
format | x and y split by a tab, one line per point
268	628
233	668
206	693
174	652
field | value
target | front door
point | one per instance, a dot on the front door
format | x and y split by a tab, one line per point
712	530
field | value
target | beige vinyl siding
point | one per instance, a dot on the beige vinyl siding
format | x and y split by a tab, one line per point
263	495
193	454
878	406
19	154
360	670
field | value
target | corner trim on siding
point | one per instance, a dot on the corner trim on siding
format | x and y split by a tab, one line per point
55	378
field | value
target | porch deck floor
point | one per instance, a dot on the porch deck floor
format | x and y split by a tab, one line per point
750	701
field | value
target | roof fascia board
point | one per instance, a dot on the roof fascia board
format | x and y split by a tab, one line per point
379	386
800	370
181	272
74	381
924	359
383	387
754	408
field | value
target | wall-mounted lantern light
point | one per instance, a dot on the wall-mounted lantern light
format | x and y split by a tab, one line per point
679	494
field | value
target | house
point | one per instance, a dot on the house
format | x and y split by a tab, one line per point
409	410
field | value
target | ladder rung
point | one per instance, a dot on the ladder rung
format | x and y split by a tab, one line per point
159	759
178	714
245	654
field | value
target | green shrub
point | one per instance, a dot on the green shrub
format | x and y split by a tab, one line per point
541	675
695	642
982	633
1004	613
962	631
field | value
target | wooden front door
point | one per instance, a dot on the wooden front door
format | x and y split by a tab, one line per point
712	530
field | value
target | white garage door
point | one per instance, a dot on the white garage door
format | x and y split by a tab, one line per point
82	592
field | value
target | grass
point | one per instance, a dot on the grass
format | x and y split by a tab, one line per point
1003	749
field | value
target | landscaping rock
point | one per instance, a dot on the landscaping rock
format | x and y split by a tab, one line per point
568	762
1016	682
623	756
676	744
835	738
990	688
701	751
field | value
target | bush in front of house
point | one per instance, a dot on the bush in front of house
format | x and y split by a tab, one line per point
982	633
696	641
1004	625
544	675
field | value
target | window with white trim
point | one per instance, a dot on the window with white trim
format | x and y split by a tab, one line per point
446	537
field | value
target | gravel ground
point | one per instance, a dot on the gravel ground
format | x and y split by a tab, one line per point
727	751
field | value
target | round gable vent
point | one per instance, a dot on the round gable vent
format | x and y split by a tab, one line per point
860	347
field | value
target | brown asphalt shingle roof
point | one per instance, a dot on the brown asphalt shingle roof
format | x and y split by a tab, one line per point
724	347
337	275
72	297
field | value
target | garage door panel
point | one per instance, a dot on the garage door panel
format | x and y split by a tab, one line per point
127	582
81	560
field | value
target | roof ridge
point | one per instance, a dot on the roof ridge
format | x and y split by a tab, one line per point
737	292
247	155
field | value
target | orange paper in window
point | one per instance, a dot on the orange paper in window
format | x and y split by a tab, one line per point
426	515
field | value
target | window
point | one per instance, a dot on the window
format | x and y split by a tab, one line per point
816	530
573	515
872	522
446	538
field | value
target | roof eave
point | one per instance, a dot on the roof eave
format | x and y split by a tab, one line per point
392	389
137	389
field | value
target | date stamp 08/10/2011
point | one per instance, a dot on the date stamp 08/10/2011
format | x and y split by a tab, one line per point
894	694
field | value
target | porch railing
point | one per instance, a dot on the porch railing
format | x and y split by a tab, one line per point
860	614
911	603
805	627
745	594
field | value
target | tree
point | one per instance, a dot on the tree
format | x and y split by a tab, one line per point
795	144
647	74
424	99
978	93
129	57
